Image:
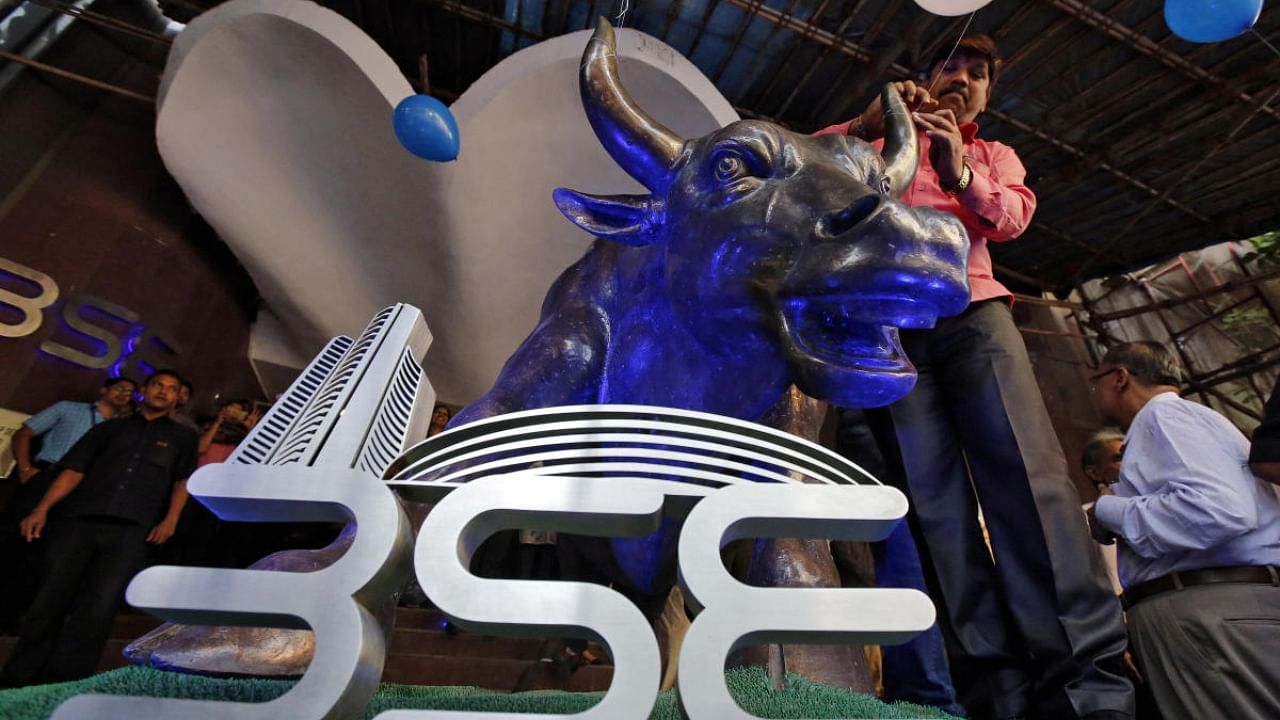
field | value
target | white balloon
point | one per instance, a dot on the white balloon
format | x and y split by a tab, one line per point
951	7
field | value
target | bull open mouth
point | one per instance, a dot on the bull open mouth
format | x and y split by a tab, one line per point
844	349
858	331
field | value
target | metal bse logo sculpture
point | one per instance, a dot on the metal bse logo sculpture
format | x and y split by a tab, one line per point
597	470
761	259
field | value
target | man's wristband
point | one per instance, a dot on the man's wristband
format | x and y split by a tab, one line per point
960	185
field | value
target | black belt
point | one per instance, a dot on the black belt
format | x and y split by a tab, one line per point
1248	574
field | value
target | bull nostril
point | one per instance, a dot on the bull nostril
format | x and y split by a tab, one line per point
838	223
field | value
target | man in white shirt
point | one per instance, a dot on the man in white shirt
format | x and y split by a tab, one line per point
1199	544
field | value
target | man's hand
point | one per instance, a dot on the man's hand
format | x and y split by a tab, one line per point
162	532
32	524
1133	668
915	96
1099	533
25	474
946	152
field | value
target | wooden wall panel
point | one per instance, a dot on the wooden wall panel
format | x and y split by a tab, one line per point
1061	365
85	199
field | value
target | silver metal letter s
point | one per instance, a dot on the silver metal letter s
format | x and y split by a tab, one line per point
613	507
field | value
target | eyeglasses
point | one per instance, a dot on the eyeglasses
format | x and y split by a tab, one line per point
1094	378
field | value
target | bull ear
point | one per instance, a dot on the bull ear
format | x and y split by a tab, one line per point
622	218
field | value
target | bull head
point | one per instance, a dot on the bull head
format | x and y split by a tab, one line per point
650	153
776	244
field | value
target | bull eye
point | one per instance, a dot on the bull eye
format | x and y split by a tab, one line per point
730	166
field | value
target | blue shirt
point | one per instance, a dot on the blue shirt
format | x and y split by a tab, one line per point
61	425
1186	499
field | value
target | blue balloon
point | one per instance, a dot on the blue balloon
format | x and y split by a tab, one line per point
1207	21
426	128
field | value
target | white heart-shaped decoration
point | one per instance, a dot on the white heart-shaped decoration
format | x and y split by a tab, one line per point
275	117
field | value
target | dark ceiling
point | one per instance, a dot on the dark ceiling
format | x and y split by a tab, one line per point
1139	145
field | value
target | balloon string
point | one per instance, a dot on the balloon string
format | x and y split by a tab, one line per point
1168	191
954	48
1263	40
622	14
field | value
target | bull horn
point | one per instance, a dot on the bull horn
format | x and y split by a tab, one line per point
638	143
901	146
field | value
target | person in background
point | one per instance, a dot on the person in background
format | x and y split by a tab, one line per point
1100	462
179	414
233	422
439	419
120	489
62	424
1264	456
59	427
1101	457
1199	544
202	539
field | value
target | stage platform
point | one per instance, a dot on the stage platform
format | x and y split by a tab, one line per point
800	698
428	668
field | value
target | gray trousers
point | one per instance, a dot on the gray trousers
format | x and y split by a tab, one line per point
1041	620
1211	651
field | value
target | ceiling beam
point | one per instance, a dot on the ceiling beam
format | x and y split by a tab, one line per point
813	66
855	50
83	79
819	108
779	64
757	63
1118	172
1145	45
1138	144
859	52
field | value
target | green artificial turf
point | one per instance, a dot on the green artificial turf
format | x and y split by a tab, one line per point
750	687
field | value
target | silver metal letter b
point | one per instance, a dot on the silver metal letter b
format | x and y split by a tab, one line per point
333	602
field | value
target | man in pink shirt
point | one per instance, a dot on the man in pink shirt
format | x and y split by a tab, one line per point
1038	631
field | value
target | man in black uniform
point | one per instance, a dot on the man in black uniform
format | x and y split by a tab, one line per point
122	486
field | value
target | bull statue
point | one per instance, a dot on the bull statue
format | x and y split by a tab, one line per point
765	274
764	269
760	259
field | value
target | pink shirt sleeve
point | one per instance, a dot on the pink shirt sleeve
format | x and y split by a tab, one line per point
997	200
217	452
841	129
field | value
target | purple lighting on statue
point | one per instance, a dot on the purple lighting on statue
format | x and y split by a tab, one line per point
760	258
